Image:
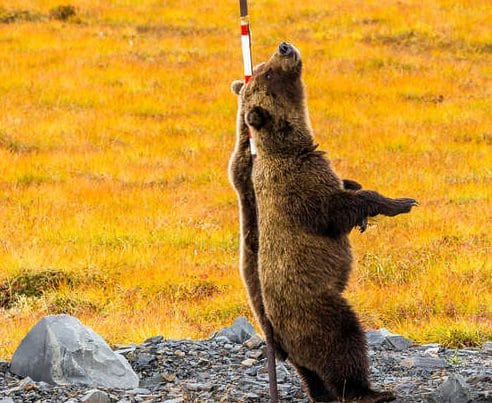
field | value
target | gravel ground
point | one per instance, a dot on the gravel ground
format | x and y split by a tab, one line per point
220	370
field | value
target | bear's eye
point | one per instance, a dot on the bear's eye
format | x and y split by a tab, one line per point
269	74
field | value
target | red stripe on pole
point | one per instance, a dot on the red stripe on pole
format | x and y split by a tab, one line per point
244	30
247	78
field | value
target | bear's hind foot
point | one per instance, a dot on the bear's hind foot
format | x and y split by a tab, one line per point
376	397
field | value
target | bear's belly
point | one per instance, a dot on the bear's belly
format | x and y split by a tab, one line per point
298	271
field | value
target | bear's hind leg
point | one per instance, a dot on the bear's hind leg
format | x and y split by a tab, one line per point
314	386
345	366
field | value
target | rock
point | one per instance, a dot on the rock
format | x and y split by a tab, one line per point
453	390
487	347
169	377
374	338
240	331
95	396
7	400
139	391
145	359
179	353
397	342
256	354
248	362
384	338
254	342
423	362
4	365
196	387
432	352
60	350
153	340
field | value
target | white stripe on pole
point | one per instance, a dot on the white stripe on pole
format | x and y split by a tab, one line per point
248	68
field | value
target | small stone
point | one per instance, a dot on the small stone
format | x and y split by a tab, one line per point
179	353
423	362
26	382
169	377
397	342
4	365
6	400
228	346
145	359
257	354
125	350
221	339
139	391
252	371
432	352
248	362
240	331
152	381
251	395
480	378
374	338
176	400
95	396
153	340
487	347
197	387
254	342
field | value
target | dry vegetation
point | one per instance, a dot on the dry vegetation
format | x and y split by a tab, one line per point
117	123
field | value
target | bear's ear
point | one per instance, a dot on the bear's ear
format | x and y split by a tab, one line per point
236	86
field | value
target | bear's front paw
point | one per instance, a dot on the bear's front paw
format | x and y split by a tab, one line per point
362	224
403	205
257	117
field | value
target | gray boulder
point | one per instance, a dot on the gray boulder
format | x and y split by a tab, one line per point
240	331
60	350
453	390
384	338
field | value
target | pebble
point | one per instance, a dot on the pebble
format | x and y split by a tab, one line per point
487	347
95	396
424	362
179	371
254	342
248	362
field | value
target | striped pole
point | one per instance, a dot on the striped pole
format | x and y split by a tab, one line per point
248	72
247	59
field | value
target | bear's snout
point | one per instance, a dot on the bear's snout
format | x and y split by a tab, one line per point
285	49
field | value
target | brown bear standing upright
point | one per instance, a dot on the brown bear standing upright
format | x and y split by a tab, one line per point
304	216
240	172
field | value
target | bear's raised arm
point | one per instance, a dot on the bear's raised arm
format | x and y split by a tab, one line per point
240	169
337	213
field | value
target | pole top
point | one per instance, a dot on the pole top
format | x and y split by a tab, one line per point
243	6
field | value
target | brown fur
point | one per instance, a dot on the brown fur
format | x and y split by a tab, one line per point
240	171
304	255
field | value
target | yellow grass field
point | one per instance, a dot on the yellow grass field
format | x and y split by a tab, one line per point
116	127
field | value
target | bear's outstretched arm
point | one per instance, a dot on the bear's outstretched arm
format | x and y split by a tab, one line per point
338	213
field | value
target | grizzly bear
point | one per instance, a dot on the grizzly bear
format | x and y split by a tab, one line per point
303	218
240	170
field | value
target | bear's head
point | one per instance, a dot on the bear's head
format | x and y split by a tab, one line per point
274	105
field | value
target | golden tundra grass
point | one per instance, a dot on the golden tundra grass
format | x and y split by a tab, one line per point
116	127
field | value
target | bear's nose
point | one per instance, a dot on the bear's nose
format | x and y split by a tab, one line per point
285	49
